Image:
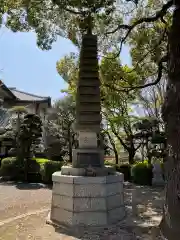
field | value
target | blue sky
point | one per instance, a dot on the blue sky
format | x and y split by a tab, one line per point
24	66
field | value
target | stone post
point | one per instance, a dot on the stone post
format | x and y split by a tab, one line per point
157	175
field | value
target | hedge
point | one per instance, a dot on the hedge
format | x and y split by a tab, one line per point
126	170
123	168
48	168
142	173
11	167
39	169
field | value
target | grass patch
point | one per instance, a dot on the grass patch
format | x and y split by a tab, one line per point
41	161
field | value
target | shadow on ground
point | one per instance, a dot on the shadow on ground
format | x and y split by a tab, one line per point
144	209
25	186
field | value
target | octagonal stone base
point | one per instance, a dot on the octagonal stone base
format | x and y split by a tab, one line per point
87	201
103	171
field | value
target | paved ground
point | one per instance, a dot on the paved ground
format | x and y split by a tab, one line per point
143	215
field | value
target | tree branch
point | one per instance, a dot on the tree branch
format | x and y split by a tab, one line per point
158	15
150	50
159	76
160	70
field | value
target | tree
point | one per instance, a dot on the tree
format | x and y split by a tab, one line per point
171	214
55	144
65	109
18	111
171	113
51	19
30	131
117	106
149	133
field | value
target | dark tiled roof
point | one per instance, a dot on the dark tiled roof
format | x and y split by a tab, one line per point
24	96
18	95
6	89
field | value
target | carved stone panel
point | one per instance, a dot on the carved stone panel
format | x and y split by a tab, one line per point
87	139
85	160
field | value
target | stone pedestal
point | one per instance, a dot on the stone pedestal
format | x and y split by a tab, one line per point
157	175
87	201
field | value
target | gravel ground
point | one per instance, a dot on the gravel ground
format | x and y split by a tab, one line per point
17	199
143	206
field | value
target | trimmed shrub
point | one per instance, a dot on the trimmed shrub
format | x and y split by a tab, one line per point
34	171
106	162
57	158
40	154
142	173
126	170
48	168
12	168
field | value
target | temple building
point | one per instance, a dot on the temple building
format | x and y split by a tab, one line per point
11	97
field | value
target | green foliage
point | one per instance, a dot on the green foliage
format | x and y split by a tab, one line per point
50	19
33	172
158	138
18	109
123	168
11	167
68	69
48	168
116	105
15	169
126	170
148	41
106	162
40	155
41	160
54	151
142	173
39	169
30	131
60	132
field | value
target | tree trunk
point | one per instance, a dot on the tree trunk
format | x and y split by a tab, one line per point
114	148
170	224
142	153
70	144
116	155
18	122
148	150
131	152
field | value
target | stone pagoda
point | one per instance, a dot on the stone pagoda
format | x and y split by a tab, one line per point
87	193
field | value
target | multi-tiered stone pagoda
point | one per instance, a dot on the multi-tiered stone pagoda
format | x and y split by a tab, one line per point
87	193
